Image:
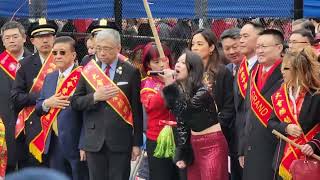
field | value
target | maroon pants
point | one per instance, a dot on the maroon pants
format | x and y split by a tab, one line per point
210	157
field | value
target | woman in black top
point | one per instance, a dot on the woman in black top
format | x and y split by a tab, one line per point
196	113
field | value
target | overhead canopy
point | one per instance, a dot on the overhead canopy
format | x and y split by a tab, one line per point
73	9
311	8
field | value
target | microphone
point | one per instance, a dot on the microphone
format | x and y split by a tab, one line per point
154	73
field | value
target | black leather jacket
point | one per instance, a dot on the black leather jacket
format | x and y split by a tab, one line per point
195	113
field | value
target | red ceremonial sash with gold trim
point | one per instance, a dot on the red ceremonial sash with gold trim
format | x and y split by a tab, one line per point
243	77
67	88
96	78
283	111
25	113
259	105
9	64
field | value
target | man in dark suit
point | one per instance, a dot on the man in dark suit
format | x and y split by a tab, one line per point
42	34
249	34
13	38
230	40
110	142
265	79
62	144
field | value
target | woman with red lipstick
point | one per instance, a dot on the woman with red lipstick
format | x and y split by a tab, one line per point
198	128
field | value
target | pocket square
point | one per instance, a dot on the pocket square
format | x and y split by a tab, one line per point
122	83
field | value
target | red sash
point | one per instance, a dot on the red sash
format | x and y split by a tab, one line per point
67	88
243	77
96	78
284	112
259	105
9	64
26	112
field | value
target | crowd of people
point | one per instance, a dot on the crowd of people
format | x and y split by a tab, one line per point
205	118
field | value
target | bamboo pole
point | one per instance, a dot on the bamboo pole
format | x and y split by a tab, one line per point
281	136
153	28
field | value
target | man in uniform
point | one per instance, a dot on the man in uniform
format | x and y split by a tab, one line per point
29	80
13	38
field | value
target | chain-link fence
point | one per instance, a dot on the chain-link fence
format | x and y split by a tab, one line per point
175	33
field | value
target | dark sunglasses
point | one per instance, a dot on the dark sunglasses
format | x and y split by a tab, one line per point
62	53
286	68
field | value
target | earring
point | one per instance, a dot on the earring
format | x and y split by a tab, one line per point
210	53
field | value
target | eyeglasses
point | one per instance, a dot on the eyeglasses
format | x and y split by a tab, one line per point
62	53
99	49
297	42
286	69
265	46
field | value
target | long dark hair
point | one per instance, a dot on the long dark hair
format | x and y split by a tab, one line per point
195	70
215	61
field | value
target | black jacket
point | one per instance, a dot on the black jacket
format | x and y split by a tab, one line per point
102	124
197	113
308	118
7	114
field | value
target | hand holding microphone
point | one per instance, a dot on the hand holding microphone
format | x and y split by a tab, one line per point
168	76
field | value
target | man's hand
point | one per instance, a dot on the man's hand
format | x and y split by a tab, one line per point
57	101
241	161
136	151
83	156
104	93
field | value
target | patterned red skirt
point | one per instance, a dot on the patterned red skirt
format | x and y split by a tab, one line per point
210	157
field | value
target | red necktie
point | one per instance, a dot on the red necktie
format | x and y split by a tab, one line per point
106	70
263	78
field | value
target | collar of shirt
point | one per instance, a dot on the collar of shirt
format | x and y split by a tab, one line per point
266	69
252	61
21	56
41	58
67	71
112	69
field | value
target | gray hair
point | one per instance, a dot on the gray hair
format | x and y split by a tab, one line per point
233	33
12	25
109	34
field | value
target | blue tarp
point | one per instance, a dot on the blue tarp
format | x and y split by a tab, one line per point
9	7
311	8
72	9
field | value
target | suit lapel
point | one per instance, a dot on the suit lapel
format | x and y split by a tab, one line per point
54	82
117	76
274	77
